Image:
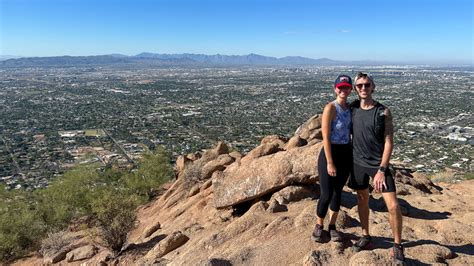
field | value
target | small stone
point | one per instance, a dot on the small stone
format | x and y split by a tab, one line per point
274	206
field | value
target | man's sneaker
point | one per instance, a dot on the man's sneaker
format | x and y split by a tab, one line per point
363	243
397	254
336	236
317	234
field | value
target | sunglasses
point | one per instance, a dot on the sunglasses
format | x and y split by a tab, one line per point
360	85
344	88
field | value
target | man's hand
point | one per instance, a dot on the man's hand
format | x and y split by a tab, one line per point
331	169
379	181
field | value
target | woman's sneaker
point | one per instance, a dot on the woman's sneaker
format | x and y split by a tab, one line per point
317	234
397	254
363	243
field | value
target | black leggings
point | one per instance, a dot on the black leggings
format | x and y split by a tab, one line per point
331	186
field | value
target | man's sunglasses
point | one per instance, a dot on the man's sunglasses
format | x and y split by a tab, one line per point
360	85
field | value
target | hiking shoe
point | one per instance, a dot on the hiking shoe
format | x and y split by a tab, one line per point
397	254
336	236
363	243
317	234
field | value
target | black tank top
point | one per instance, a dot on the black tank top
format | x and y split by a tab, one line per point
368	134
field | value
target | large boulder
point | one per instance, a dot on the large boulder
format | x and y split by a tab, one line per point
81	253
316	258
294	193
311	129
295	141
55	257
151	229
181	163
236	155
262	150
209	155
170	243
280	140
218	164
415	180
371	257
240	183
430	253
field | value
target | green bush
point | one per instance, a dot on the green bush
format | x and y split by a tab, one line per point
68	196
110	196
154	169
20	228
115	215
469	176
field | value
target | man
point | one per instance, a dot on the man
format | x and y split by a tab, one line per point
372	148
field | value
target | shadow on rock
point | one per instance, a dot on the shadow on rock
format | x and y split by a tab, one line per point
408	210
467	249
142	247
348	200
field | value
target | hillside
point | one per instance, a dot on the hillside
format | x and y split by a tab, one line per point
259	209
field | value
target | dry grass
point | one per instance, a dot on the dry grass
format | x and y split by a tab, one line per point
54	242
448	175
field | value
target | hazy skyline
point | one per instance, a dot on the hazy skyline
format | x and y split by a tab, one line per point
399	31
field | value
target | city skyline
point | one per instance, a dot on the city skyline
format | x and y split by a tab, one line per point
401	31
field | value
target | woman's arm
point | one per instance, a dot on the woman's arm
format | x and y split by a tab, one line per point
328	115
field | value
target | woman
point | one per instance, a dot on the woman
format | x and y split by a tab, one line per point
335	159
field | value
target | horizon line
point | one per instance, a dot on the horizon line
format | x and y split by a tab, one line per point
383	61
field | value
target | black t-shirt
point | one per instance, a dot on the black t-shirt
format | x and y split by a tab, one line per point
368	134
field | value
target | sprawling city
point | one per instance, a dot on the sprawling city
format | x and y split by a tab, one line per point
52	118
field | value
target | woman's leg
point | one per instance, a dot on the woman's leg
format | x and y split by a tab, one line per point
326	189
343	159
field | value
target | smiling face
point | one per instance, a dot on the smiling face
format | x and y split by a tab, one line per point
343	91
364	88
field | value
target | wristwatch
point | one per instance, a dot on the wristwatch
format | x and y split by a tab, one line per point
382	169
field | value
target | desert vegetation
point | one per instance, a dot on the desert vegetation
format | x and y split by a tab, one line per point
108	197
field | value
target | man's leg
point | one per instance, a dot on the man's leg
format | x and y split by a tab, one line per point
363	209
394	215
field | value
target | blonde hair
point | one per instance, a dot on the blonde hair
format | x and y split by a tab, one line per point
365	76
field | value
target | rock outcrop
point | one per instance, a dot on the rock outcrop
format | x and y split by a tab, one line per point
260	209
262	175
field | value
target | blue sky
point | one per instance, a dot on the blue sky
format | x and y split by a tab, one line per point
429	31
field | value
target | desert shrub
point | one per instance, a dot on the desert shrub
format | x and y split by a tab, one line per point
441	176
115	215
449	176
193	172
67	197
154	169
109	196
53	242
20	229
469	176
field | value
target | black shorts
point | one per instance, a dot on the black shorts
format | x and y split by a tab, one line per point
360	177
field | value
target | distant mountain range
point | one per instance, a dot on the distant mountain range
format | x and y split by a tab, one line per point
173	59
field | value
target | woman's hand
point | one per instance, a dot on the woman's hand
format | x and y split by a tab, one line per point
331	169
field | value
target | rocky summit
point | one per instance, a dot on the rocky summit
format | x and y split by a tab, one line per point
225	208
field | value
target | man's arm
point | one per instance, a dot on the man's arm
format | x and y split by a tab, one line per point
379	178
388	138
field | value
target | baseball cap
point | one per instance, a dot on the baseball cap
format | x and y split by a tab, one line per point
343	80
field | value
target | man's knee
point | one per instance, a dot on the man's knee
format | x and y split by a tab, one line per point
393	207
363	197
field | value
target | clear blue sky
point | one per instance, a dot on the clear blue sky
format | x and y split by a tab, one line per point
406	30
